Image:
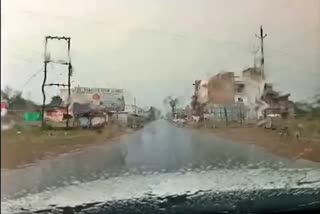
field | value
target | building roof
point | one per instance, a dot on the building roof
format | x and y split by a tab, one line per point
79	109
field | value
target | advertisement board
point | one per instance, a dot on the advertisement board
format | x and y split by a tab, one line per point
111	98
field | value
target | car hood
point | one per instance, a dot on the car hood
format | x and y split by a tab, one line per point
187	183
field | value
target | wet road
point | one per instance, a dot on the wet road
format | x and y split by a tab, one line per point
159	147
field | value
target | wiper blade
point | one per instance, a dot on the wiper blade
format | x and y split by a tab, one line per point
307	182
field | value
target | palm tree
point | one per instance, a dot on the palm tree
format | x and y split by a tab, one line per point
173	102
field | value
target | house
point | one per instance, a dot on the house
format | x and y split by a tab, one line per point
251	90
248	90
219	89
131	109
89	115
277	103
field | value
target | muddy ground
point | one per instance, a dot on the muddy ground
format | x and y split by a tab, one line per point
21	148
305	148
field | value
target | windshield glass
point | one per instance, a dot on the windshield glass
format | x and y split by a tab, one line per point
160	106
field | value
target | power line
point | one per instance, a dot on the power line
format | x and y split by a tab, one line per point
30	78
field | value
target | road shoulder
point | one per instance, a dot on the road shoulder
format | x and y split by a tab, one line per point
308	149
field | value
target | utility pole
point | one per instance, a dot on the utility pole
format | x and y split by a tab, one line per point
47	60
135	105
254	52
196	86
197	107
261	37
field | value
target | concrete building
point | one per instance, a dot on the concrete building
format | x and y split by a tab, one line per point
251	90
277	103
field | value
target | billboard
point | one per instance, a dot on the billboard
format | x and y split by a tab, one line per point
111	98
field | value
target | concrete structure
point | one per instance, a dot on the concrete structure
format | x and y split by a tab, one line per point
259	96
131	109
251	90
202	92
277	103
123	118
221	88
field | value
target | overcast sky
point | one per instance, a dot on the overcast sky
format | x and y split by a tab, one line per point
155	48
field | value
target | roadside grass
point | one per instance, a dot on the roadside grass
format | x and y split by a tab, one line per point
223	124
59	136
307	128
20	147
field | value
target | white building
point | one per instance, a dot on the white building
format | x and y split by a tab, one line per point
247	89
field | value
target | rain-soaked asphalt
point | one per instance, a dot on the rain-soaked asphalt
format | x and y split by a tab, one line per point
160	146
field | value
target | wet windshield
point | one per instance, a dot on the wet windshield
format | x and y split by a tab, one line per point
160	106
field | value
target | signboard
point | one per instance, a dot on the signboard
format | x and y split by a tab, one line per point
87	90
55	115
4	109
32	116
111	98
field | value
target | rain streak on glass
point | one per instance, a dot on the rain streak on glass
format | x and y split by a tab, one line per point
160	106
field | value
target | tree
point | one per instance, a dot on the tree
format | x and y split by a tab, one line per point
198	108
15	99
173	102
56	101
154	113
309	109
9	94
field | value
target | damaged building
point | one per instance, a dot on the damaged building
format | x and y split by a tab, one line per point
250	90
277	103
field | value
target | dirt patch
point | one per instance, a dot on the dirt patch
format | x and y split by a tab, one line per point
305	148
25	147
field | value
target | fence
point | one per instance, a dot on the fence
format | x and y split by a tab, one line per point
226	113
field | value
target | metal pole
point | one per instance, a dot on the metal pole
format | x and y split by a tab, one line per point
240	112
48	60
261	37
44	95
44	83
69	93
226	115
69	83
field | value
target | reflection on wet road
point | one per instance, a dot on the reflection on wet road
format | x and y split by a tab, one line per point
160	146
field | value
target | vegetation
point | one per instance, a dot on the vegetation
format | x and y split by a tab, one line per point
15	100
308	110
56	101
173	102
